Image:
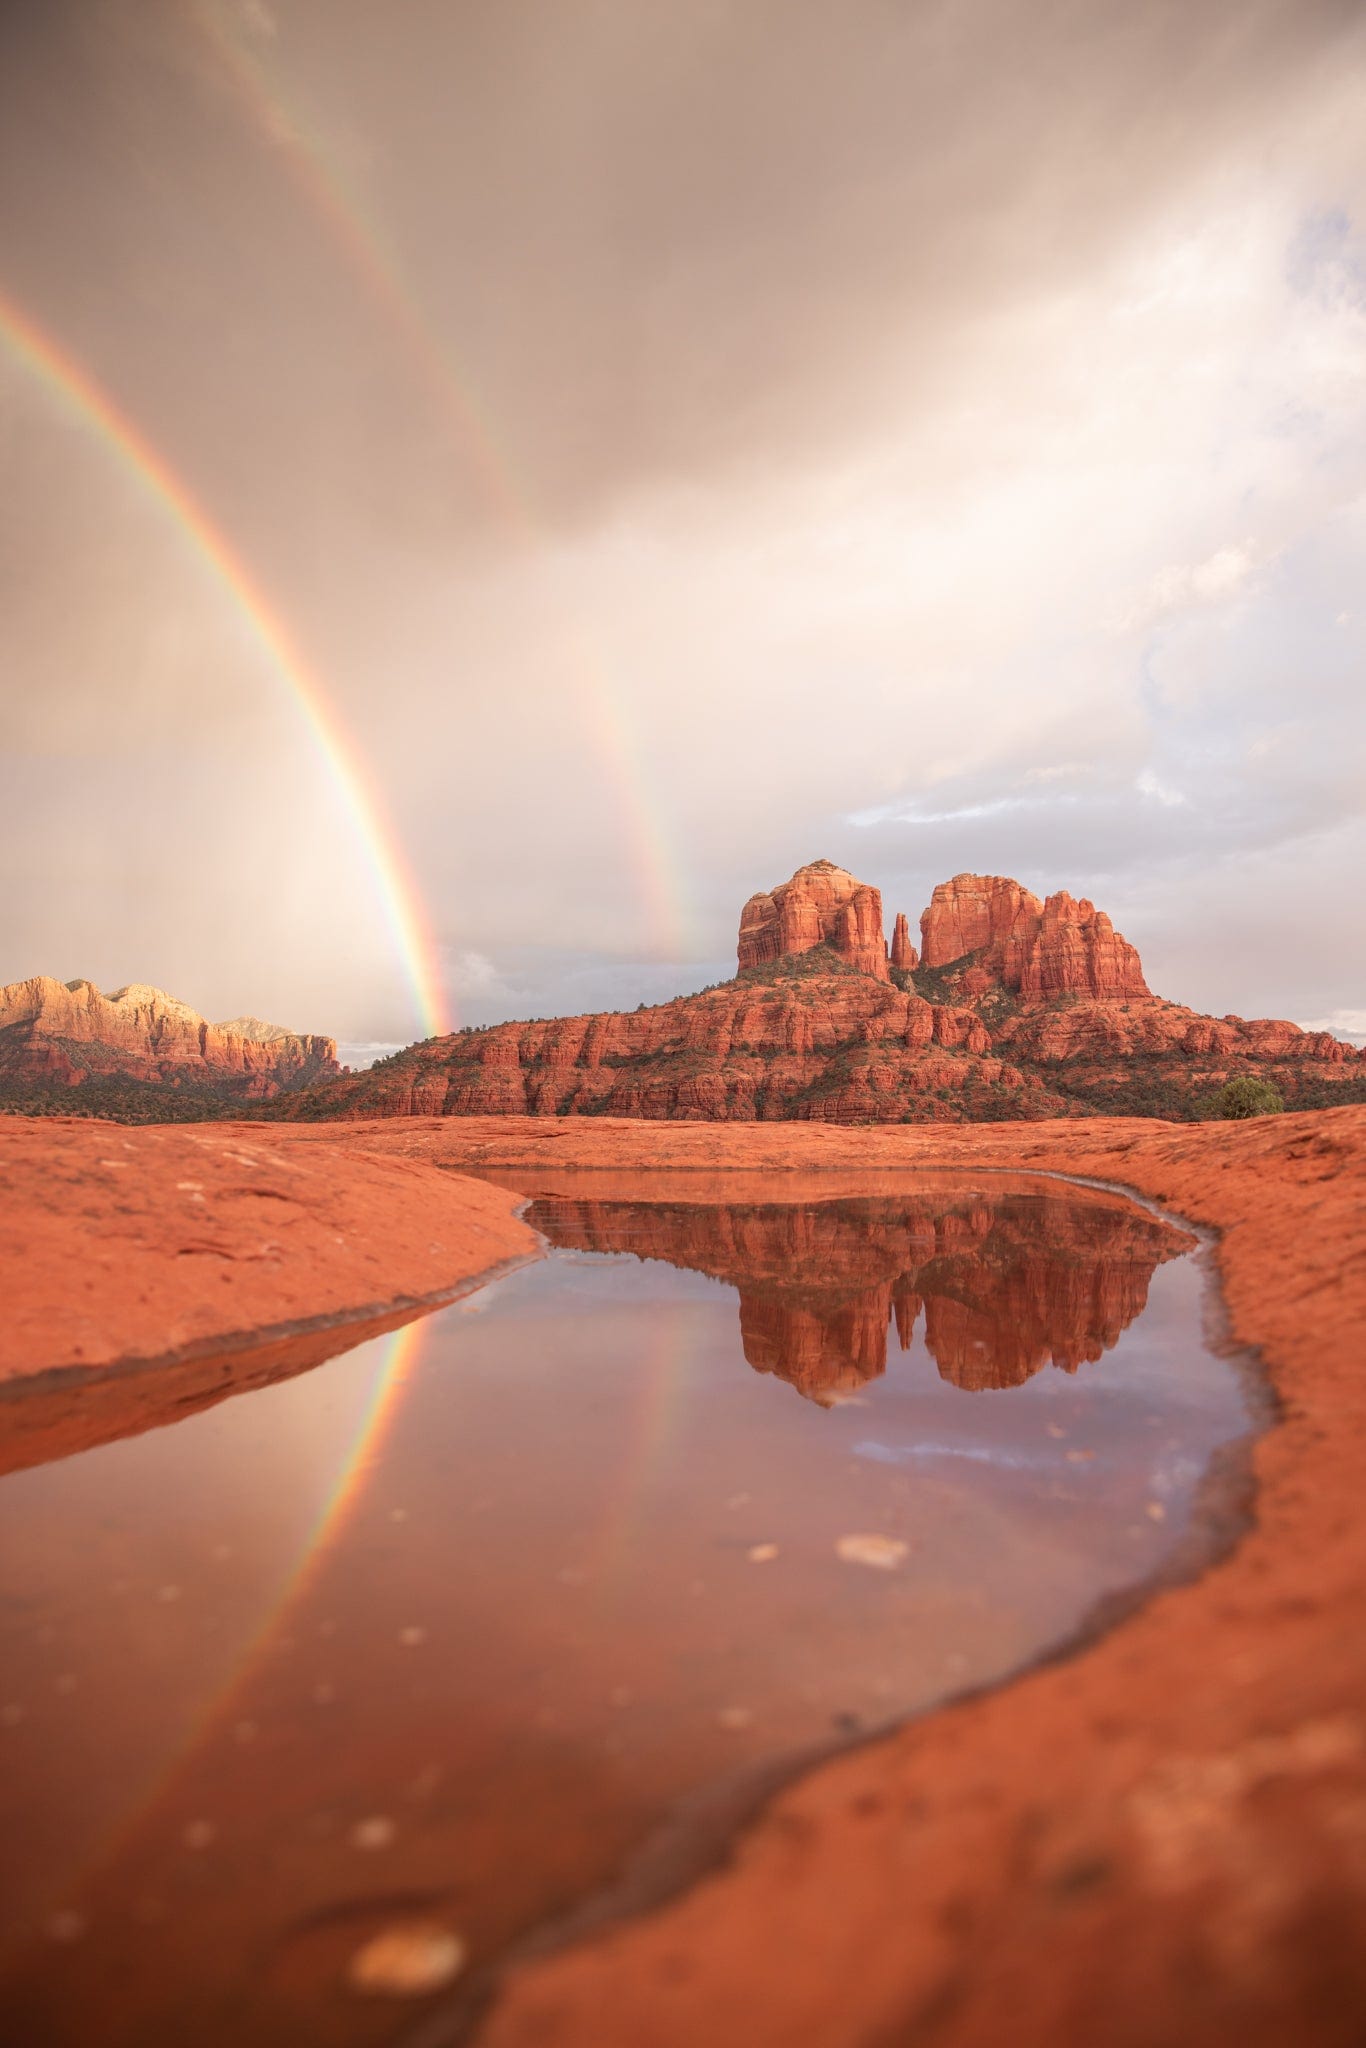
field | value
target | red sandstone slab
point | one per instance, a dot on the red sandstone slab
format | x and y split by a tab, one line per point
122	1245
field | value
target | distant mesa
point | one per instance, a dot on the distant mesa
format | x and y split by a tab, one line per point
67	1036
1015	1007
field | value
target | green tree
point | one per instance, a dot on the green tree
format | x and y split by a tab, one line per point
1246	1096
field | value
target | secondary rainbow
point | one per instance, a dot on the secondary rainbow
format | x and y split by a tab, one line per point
69	381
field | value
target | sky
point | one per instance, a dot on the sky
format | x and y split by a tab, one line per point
674	442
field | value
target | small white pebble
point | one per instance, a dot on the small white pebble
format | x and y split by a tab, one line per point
881	1553
762	1553
378	1832
407	1961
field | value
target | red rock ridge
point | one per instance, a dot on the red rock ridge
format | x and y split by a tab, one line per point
822	905
833	1048
59	1034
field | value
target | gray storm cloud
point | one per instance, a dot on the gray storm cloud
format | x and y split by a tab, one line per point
684	440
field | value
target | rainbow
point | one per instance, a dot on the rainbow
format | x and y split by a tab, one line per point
396	1361
398	1354
379	273
75	388
661	1380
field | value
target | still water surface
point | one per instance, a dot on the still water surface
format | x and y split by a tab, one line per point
463	1624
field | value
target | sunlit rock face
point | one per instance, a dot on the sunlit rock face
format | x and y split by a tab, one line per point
1030	948
822	905
57	1034
1006	1287
978	914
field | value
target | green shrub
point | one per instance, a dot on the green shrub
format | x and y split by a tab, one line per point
1245	1095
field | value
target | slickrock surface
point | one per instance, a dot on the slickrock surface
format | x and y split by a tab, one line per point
122	1246
822	905
1020	1009
1158	1842
64	1034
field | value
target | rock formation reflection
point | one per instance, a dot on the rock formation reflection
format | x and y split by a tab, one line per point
1006	1284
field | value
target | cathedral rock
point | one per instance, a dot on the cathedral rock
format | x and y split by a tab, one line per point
1017	1007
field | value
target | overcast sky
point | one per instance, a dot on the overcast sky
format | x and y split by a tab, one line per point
686	440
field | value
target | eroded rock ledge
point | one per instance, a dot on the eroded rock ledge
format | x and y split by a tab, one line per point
158	1244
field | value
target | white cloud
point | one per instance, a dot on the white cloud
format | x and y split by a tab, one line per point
1342	1023
1225	574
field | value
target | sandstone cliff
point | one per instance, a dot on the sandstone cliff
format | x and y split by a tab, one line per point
64	1035
822	905
1019	1007
996	934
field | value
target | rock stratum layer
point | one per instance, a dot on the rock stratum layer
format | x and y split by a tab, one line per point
57	1036
1016	1008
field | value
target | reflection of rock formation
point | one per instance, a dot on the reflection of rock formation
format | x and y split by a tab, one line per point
1009	1283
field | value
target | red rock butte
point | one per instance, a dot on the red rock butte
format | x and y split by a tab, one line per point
1018	1008
822	905
1057	947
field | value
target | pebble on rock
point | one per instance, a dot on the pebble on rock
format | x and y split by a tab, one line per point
376	1833
883	1553
407	1961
